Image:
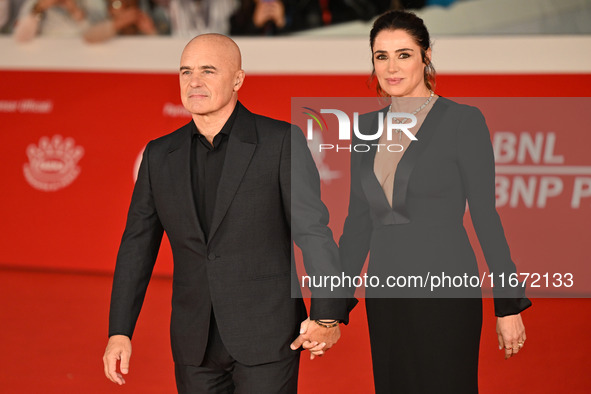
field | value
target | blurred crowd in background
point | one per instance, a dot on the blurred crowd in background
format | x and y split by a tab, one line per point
101	20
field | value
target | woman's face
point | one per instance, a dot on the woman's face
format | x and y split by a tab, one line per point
399	65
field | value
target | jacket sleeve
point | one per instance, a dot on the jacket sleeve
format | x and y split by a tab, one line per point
308	218
137	254
477	167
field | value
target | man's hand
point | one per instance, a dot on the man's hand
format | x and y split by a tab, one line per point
118	349
315	338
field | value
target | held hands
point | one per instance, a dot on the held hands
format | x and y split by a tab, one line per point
118	349
511	334
315	338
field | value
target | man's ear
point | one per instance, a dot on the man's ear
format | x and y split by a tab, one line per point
239	80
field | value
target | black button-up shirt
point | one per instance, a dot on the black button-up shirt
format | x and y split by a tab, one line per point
207	162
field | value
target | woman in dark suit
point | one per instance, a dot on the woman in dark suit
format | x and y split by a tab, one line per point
406	209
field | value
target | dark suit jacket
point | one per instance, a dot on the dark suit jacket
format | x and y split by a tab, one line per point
243	272
422	232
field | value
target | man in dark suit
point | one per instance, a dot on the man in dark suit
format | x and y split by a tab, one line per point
223	187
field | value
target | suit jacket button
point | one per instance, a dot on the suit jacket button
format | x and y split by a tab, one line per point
211	256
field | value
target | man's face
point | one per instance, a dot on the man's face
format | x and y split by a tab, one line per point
210	75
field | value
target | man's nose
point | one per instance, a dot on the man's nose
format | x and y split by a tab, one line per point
196	80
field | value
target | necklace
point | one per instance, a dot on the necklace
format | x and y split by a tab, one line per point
416	111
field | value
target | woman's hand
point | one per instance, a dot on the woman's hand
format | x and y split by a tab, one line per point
511	334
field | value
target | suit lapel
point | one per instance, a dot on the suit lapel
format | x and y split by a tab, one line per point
241	147
373	190
398	213
410	159
179	157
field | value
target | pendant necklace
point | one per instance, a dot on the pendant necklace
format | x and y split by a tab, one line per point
416	111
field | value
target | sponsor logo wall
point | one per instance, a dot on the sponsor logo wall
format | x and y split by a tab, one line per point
72	142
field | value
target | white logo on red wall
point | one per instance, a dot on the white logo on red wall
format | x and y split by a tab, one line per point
53	164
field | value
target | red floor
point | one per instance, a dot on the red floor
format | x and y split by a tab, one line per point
53	331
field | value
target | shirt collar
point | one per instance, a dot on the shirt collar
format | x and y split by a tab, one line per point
226	129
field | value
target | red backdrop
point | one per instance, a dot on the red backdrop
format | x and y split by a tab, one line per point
109	117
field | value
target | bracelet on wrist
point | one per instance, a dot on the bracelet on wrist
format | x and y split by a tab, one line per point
327	323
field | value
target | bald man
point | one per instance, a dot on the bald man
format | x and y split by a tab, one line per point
222	188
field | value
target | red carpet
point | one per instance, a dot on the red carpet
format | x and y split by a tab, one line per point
54	327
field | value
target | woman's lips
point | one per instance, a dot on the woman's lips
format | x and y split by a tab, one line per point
394	81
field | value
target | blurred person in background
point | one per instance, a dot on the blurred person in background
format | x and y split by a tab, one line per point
57	18
351	10
126	17
4	14
159	11
9	10
275	17
189	18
